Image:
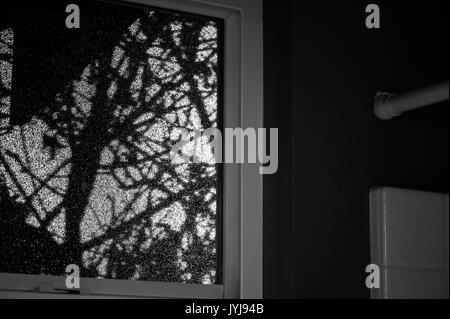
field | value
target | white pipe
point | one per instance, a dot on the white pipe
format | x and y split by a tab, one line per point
387	106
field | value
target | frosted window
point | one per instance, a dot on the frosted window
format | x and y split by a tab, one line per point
88	178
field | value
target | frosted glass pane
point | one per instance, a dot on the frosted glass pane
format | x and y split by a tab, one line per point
87	178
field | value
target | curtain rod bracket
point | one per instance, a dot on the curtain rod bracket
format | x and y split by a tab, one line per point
382	108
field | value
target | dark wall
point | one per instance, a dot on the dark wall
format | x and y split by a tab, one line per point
339	148
278	228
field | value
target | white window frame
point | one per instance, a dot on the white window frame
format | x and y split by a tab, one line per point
243	184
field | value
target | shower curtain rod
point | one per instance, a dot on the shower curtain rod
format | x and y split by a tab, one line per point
387	105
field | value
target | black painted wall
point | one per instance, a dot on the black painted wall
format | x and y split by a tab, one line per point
278	234
319	90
